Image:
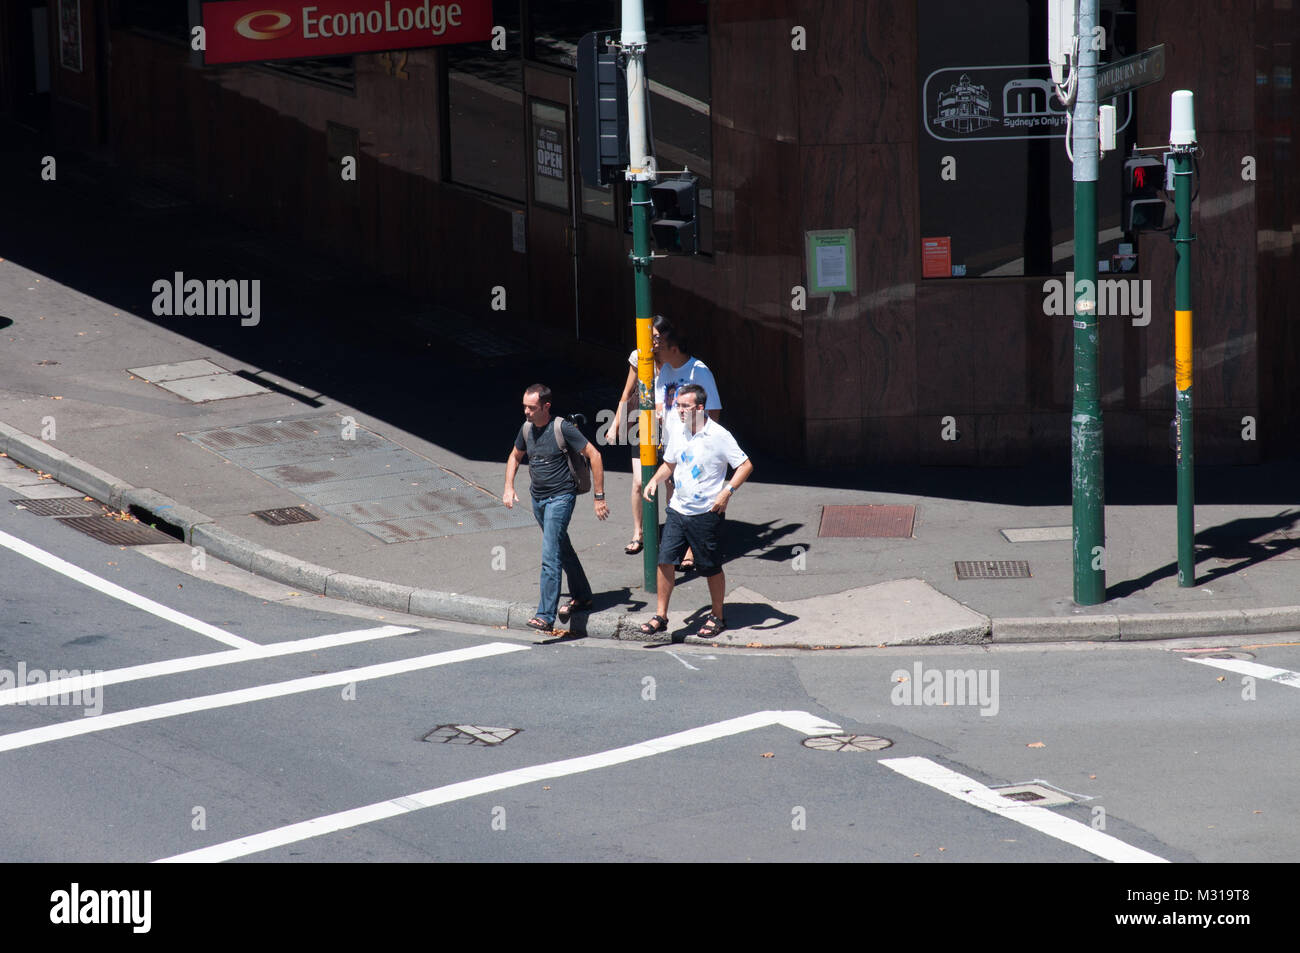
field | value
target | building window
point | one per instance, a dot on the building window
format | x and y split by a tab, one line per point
485	110
996	185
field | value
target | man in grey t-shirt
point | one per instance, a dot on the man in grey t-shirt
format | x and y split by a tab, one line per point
554	495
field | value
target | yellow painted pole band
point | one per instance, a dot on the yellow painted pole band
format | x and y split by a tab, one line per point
1183	350
645	372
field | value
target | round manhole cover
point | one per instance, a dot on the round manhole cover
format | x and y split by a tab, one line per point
1244	656
846	743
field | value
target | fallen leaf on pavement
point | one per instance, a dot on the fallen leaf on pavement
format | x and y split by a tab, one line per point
1092	777
750	645
1220	678
1035	744
772	754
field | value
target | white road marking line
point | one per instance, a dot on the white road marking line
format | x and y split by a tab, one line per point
1242	667
69	729
50	561
66	686
798	720
683	661
1039	818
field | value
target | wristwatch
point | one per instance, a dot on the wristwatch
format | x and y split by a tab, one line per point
731	489
598	496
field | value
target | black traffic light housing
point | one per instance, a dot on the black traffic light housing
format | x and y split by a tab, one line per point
673	219
1143	205
602	110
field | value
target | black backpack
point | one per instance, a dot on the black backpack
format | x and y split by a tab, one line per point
579	465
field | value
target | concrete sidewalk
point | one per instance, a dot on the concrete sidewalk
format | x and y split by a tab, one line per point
410	525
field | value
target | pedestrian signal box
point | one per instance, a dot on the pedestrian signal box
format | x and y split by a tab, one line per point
602	111
1143	205
673	220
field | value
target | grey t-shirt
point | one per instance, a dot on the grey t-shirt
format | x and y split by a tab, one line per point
548	470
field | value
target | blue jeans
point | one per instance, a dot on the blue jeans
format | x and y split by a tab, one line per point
553	515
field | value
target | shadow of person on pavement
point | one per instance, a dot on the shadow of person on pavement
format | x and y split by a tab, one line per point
1244	542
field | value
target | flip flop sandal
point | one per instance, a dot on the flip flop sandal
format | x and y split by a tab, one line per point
539	625
568	608
656	624
633	547
712	626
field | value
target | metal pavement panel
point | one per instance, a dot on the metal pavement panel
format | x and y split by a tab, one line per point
873	521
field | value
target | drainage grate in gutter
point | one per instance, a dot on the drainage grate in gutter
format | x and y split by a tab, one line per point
871	521
62	506
993	569
285	515
106	529
846	743
470	735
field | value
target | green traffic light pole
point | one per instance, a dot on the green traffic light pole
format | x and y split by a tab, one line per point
1182	144
641	173
1087	474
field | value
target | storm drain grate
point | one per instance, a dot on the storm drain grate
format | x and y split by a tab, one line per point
106	529
1038	795
873	520
470	735
846	743
993	569
284	515
61	506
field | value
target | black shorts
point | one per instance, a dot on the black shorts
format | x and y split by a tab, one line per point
700	533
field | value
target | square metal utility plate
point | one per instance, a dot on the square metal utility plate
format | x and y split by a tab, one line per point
156	373
993	569
1039	534
873	520
221	386
1036	794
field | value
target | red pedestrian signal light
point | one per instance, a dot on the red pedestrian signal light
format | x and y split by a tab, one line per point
1143	206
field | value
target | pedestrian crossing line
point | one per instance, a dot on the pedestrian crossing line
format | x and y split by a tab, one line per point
1242	667
84	726
86	578
1039	818
800	721
66	686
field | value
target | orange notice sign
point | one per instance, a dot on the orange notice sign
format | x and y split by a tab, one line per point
936	257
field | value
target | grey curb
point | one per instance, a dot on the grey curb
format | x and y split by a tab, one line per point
202	530
225	545
166	509
387	595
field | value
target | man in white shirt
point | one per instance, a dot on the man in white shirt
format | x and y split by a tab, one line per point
697	457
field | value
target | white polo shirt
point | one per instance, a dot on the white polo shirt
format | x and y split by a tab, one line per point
701	465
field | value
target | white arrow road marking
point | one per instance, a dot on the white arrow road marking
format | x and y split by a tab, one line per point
798	720
50	561
1039	818
66	686
68	729
1242	667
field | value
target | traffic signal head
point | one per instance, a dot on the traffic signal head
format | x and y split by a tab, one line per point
673	218
602	111
1143	206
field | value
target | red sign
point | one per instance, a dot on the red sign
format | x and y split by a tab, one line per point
241	31
936	257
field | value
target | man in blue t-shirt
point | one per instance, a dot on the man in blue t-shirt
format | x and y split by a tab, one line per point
554	492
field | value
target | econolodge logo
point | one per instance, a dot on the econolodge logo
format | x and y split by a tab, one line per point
282	25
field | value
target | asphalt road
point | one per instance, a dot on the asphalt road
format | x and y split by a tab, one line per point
1158	753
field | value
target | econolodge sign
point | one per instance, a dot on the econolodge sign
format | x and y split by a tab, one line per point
240	31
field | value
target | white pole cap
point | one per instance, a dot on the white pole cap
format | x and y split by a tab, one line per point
1182	124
